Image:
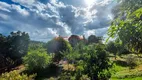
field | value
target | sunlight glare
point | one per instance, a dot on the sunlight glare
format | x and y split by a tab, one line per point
89	2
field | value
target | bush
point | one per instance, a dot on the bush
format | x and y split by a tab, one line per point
66	76
96	63
14	75
132	61
85	77
57	46
36	60
93	62
51	78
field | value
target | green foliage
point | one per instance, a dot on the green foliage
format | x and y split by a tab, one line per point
51	78
98	62
15	75
94	39
125	72
72	56
18	44
129	30
84	77
80	47
3	44
57	46
13	48
125	7
130	5
112	48
34	45
122	73
15	45
116	47
66	76
36	61
93	62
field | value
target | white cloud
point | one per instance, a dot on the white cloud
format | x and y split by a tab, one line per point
4	6
29	2
89	32
44	21
3	16
18	8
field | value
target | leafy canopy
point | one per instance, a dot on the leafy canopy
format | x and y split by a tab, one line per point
128	28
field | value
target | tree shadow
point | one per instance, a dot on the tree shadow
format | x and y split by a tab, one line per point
121	63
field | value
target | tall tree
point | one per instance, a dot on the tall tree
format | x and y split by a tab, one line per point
18	44
128	25
13	48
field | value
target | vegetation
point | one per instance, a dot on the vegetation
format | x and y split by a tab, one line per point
12	48
93	62
132	60
94	39
129	28
15	75
15	45
57	46
36	61
79	58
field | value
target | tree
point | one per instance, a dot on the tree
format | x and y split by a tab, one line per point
34	45
95	63
18	45
126	6
57	46
14	46
3	45
129	29
92	62
130	5
94	39
112	48
12	49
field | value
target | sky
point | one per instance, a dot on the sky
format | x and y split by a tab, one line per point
46	19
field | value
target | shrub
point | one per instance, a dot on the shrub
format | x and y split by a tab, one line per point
51	78
84	77
66	76
104	75
96	62
14	75
132	60
93	62
68	67
57	46
36	60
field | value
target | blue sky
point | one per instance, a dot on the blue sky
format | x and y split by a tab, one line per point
46	19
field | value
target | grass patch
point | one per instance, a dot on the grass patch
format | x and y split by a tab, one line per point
125	73
136	78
